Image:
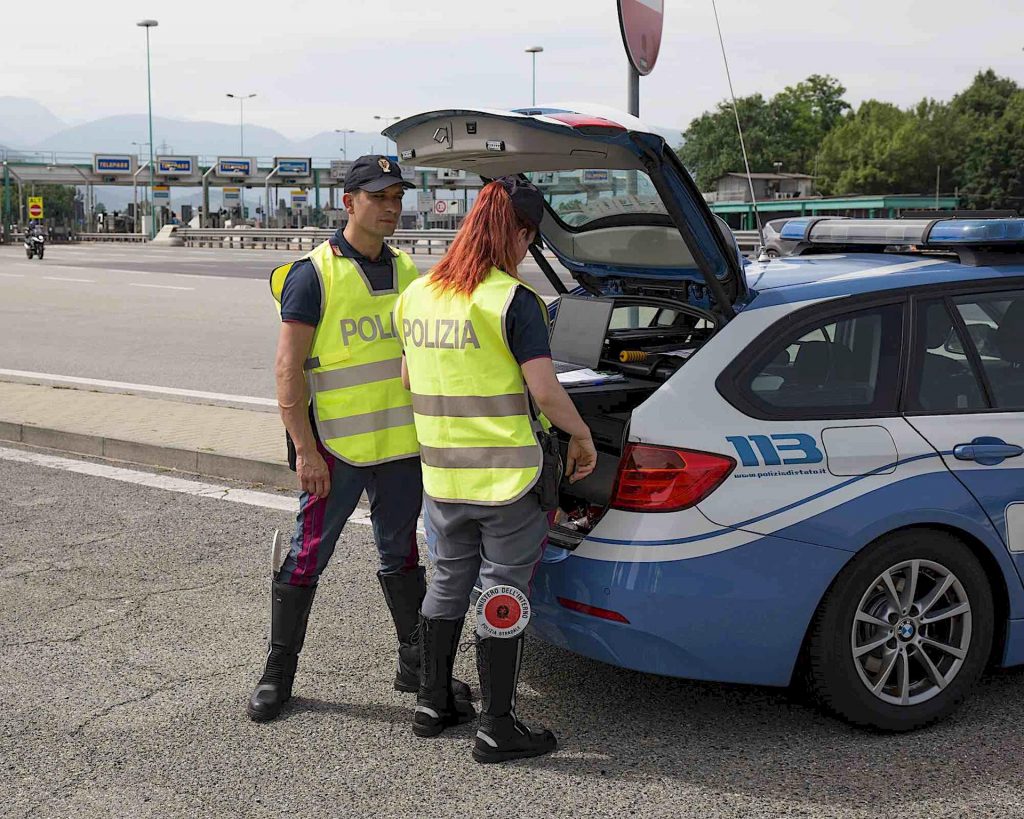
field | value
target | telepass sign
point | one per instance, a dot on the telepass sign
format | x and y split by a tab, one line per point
641	23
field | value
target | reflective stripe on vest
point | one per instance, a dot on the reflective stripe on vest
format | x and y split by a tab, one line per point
363	413
478	440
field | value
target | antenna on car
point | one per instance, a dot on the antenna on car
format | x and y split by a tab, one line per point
739	129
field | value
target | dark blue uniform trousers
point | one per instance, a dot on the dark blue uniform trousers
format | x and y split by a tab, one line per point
395	491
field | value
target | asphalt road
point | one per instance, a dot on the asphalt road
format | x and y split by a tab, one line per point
198	319
131	627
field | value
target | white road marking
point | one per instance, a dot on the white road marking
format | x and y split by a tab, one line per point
12	275
160	286
166	482
199	489
59	279
150	388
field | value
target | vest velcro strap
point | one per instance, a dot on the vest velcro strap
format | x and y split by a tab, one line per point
470	406
367	422
357	374
311	363
481	457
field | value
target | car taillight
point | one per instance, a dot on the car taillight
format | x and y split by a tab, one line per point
663	479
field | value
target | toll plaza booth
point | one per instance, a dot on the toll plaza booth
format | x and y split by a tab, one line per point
234	175
179	171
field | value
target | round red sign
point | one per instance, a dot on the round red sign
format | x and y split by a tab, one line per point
502	611
641	22
35	211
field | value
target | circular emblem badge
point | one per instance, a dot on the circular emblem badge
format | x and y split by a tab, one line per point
502	611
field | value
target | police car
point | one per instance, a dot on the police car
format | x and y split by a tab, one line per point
809	469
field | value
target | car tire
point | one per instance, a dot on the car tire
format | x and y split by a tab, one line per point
891	687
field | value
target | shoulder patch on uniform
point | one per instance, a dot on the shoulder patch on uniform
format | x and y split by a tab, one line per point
334	248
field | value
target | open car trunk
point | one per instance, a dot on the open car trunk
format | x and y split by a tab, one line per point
656	336
624	217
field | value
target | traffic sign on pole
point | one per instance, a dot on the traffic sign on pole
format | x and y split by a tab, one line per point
35	207
441	207
641	23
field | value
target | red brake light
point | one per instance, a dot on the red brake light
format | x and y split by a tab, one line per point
587	124
663	479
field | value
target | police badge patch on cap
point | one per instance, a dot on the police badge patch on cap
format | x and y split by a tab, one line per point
502	611
384	165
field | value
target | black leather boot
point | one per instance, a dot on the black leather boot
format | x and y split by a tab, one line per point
289	615
501	736
437	707
404	594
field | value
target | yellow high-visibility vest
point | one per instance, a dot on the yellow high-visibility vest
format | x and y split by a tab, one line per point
363	413
478	439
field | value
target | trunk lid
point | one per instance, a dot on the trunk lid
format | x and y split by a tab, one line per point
623	214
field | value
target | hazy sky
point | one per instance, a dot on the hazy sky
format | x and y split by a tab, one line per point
320	65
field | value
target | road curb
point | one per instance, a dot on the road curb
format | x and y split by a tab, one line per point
207	464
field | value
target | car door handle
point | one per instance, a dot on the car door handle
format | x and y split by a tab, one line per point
986	453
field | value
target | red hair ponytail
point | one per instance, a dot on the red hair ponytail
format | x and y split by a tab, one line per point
486	239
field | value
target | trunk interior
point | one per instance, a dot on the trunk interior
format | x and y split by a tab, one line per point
648	340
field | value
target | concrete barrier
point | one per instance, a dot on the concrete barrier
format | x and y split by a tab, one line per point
169	237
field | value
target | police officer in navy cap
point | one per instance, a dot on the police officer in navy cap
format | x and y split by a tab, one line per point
350	424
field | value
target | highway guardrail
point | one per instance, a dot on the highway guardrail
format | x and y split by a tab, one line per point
426	242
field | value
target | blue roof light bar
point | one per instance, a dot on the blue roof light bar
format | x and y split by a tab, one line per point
976	231
920	232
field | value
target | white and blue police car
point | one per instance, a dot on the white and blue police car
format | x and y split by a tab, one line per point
809	469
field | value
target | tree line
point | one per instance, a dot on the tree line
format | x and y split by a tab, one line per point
974	143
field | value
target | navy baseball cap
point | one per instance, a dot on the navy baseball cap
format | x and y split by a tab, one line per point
373	173
527	200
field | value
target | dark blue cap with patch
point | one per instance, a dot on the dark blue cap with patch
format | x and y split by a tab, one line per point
373	173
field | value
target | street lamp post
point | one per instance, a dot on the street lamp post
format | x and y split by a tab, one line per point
136	224
534	51
148	24
387	121
344	152
241	142
344	139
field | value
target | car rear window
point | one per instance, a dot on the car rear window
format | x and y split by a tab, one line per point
582	197
842	365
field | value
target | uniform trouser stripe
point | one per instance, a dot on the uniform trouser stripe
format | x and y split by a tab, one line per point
477	457
367	422
357	374
470	406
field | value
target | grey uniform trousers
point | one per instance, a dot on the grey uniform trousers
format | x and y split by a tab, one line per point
501	545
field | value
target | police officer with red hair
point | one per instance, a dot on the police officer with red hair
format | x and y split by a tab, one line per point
483	388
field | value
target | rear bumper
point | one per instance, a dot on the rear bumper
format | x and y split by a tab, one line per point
735	616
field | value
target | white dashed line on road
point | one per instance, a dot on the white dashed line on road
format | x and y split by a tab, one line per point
12	275
60	279
160	286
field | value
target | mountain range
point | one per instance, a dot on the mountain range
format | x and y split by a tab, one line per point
27	125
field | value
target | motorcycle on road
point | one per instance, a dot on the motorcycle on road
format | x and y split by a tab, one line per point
35	245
